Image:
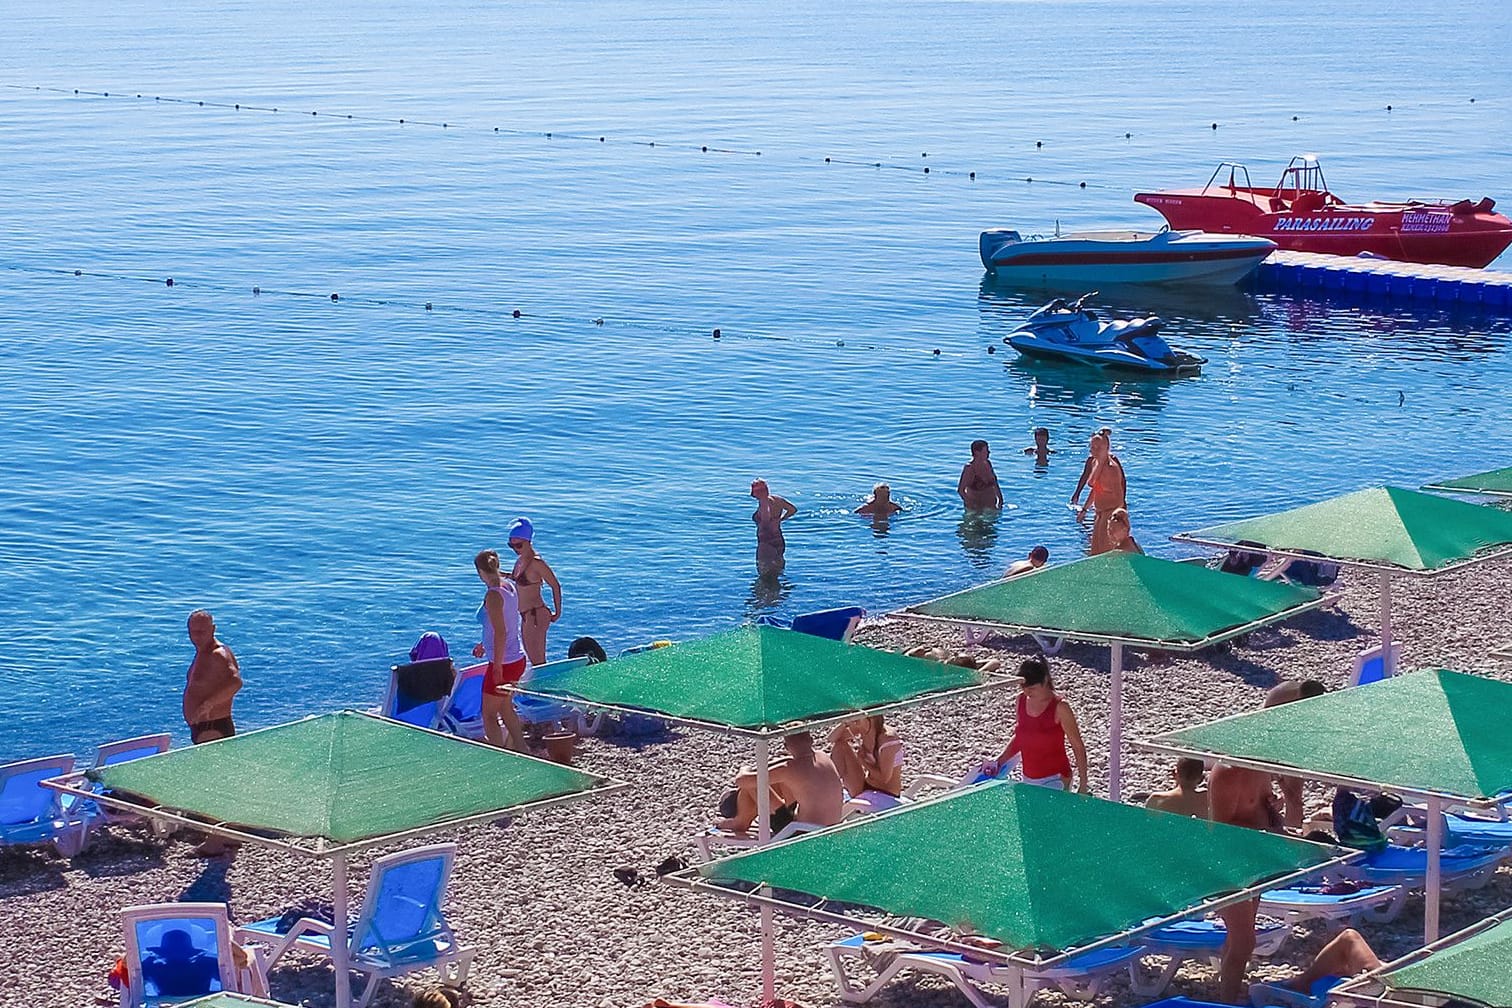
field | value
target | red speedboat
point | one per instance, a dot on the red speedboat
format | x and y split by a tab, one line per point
1301	214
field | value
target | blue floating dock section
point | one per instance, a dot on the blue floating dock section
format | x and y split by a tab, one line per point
1358	279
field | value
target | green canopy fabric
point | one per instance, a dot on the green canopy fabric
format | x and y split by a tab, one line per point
1476	969
756	678
1431	732
343	777
1496	482
1127	597
1385	526
1033	868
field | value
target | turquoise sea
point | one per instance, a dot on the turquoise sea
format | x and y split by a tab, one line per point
319	472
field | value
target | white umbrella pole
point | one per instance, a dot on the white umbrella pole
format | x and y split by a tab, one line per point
1386	623
340	945
763	836
1433	883
1115	725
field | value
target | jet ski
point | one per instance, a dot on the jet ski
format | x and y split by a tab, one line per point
1071	332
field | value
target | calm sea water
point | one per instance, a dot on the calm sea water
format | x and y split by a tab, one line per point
319	474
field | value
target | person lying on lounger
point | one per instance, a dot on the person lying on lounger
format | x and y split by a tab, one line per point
806	786
869	758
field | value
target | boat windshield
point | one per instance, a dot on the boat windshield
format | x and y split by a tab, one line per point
1302	175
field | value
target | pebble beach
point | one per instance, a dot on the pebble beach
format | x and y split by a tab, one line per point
553	926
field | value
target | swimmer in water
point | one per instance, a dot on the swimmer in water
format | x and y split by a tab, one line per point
1041	449
880	504
771	511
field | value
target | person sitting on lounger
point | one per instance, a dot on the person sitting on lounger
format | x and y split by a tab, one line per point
806	786
176	969
869	758
1189	798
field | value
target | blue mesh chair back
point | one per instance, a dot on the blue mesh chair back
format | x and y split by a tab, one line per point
418	689
465	706
126	750
180	958
401	918
23	799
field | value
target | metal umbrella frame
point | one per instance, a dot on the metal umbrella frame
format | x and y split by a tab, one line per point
319	847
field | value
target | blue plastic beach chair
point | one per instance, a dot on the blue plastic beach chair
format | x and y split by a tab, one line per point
418	691
33	814
110	754
464	708
831	624
177	952
400	927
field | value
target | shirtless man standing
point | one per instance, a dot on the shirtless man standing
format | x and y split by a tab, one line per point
978	486
214	677
1240	797
807	781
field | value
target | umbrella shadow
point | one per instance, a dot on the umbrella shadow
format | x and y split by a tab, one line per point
112	856
27	872
648	730
211	886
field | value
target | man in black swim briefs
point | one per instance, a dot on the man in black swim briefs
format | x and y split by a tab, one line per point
213	681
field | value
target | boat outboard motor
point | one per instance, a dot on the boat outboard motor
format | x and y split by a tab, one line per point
993	240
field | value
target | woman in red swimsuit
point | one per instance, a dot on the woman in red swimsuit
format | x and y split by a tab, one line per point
1046	724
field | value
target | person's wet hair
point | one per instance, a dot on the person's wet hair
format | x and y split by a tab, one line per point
978	445
1190	769
1034	671
1039	553
1310	688
1042	432
587	647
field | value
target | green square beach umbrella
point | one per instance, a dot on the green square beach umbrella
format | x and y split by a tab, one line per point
1493	483
1123	600
1436	735
1048	874
1388	530
762	683
332	784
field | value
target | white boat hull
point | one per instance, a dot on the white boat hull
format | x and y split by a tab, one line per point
1122	257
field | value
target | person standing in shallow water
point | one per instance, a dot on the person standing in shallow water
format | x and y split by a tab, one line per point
530	572
978	486
771	511
1106	492
213	681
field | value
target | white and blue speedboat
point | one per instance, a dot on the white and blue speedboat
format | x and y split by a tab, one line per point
1071	332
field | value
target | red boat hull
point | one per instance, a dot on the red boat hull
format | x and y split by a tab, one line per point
1449	234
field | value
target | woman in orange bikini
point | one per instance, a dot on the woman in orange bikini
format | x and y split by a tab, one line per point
529	574
1106	490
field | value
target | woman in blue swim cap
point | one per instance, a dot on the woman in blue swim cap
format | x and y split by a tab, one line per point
529	574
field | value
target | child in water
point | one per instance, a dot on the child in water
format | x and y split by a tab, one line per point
1041	449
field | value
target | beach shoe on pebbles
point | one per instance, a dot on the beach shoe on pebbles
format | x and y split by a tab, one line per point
670	865
628	876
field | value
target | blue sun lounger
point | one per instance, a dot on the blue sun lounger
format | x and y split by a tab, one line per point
33	814
1376	904
1463	867
1200	941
